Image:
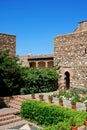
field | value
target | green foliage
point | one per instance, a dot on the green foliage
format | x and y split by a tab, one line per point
10	73
41	95
23	91
60	99
51	127
45	114
85	116
15	79
86	104
73	121
60	126
33	94
79	89
50	97
62	93
69	94
84	98
63	126
73	101
39	80
76	96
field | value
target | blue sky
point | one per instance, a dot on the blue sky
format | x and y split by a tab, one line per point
36	22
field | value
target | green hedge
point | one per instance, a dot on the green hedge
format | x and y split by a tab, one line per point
59	126
38	80
45	114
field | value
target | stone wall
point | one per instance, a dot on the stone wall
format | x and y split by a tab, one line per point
71	49
24	60
8	42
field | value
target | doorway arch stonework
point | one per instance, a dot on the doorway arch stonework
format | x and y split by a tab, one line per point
63	74
67	80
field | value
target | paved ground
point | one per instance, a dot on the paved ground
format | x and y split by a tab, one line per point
67	103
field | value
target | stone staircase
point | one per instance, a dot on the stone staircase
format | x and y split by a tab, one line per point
10	119
7	119
15	102
9	116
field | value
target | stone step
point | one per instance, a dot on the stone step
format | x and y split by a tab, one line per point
20	99
15	102
7	117
4	122
15	106
17	96
12	125
9	113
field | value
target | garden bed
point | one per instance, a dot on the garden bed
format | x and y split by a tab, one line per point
45	114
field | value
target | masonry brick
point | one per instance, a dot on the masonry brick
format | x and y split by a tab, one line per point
8	42
71	49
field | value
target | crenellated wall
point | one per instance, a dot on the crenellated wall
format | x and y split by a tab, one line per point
71	49
8	42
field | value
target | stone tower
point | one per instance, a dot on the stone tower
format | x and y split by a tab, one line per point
71	49
8	42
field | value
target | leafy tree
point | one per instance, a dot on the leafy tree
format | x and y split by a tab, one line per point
38	80
9	74
15	79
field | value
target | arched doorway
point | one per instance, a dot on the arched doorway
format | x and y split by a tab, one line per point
67	79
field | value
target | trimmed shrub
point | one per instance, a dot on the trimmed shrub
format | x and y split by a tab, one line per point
59	126
45	114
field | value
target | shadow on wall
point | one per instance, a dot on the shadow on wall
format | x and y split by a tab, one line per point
56	85
2	102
